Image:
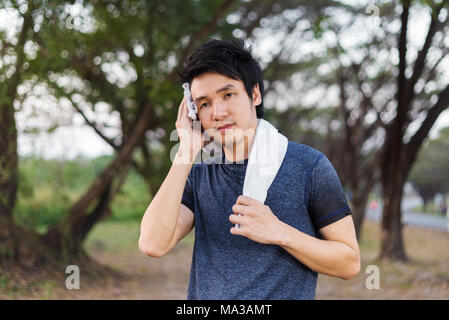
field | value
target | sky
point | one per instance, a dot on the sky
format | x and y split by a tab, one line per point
75	138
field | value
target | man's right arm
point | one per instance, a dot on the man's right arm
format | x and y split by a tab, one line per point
166	220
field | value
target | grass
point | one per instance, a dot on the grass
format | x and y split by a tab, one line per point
425	276
4	281
119	236
431	208
113	236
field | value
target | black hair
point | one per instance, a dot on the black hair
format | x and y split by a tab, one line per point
229	58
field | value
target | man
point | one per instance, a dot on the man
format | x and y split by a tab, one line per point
303	228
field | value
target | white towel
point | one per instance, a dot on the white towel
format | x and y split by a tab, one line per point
264	161
190	104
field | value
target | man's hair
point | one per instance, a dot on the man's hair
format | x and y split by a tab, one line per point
229	58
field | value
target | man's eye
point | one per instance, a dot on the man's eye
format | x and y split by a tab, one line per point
229	94
205	104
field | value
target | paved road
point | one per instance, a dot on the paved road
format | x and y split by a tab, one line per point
412	218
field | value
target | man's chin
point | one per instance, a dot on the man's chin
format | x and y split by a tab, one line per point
230	137
230	141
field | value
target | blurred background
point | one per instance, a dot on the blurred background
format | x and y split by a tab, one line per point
89	95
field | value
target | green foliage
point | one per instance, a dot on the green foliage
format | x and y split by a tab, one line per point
48	189
132	201
115	236
430	174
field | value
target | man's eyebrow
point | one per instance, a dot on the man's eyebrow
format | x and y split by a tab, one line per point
224	88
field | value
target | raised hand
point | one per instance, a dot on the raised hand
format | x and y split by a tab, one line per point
190	135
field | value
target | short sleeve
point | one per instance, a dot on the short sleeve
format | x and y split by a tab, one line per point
187	196
327	200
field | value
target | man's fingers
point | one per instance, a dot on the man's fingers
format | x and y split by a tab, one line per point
184	124
244	200
237	208
183	112
238	231
236	219
181	107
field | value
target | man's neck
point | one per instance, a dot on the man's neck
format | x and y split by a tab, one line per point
241	150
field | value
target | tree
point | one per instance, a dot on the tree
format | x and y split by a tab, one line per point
12	73
430	174
412	101
391	91
342	77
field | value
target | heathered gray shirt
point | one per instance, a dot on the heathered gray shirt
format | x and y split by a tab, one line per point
306	194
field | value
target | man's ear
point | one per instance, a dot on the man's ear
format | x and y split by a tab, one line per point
257	98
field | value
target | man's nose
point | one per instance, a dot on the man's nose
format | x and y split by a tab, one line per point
220	111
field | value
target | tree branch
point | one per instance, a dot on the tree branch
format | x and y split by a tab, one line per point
263	13
402	48
418	68
17	76
207	28
417	139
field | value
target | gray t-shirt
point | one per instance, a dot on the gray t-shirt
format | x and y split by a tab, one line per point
306	194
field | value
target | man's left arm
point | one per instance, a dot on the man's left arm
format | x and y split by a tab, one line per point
337	254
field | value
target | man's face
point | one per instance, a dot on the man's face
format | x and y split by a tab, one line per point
224	101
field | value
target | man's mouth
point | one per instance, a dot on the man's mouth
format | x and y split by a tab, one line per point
225	127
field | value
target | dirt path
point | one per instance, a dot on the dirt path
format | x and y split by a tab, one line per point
143	277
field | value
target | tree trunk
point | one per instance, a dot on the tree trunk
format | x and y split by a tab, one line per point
444	204
8	161
7	243
394	167
392	244
25	248
8	130
67	236
8	183
10	237
358	212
